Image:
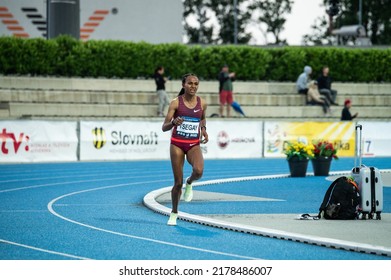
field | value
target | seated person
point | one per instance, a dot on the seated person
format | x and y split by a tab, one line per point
303	79
324	86
314	97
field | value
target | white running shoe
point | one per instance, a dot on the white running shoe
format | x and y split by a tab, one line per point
188	191
172	219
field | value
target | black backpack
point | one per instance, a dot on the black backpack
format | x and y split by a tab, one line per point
341	201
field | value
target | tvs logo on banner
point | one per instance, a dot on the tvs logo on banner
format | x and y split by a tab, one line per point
99	137
11	137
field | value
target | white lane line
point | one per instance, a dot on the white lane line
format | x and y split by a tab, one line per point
82	175
51	210
43	250
150	202
91	204
23	211
71	182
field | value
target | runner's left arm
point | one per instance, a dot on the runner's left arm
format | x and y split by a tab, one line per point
204	134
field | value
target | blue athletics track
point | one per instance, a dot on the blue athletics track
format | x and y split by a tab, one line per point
97	210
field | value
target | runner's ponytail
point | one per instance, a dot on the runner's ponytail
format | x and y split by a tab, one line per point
181	92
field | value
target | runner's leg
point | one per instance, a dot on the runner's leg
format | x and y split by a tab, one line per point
177	160
196	160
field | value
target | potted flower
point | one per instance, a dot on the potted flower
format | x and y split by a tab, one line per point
298	154
324	152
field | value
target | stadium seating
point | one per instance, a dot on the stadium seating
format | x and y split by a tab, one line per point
88	98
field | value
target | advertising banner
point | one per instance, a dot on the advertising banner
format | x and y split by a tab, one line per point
123	140
277	134
46	141
376	138
233	139
133	140
38	141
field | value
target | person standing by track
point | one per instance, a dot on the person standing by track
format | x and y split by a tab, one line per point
186	118
225	90
346	115
160	82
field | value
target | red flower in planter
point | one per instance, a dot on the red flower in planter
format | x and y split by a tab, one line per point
325	149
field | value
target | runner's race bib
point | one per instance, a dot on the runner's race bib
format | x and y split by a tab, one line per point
189	128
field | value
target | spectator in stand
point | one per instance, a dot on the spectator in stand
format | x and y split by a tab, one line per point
324	85
346	115
160	82
225	89
303	80
314	98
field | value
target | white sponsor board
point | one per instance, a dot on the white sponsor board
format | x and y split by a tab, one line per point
123	140
376	137
38	141
135	140
233	139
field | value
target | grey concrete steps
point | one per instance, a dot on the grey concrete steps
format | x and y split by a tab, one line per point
4	114
79	110
90	84
118	97
69	96
39	97
18	110
4	110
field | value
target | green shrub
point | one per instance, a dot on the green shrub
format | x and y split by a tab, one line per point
66	56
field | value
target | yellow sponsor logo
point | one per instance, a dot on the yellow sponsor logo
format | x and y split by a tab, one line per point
341	134
99	137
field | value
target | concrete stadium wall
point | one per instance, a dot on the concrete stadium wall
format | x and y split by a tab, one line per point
83	98
152	21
